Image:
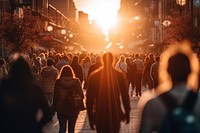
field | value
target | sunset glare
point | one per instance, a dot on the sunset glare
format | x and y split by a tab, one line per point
104	12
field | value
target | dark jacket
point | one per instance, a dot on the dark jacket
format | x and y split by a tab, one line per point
19	107
105	88
94	67
63	88
77	70
48	78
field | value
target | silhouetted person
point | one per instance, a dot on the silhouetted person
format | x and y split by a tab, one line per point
138	74
105	86
20	101
131	68
49	75
95	66
65	84
77	68
155	110
154	72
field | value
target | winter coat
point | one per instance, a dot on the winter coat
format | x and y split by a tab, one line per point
63	88
77	70
49	75
105	89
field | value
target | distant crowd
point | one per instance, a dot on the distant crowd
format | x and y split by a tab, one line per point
58	83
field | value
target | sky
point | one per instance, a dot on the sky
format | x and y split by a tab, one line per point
103	11
98	8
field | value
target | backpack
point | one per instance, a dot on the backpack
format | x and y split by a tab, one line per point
180	118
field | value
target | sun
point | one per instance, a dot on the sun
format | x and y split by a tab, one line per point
104	12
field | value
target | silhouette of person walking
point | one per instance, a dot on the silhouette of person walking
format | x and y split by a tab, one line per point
65	84
105	86
20	100
177	66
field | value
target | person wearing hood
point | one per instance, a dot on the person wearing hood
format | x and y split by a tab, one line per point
49	75
65	84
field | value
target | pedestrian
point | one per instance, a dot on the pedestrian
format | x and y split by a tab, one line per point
146	75
64	85
138	74
95	66
176	66
106	87
154	72
85	67
121	64
20	101
63	60
131	68
77	68
49	75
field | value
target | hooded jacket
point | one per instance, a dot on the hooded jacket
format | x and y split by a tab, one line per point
48	77
63	88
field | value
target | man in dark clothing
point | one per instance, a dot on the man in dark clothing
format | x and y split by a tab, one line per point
95	66
105	88
77	68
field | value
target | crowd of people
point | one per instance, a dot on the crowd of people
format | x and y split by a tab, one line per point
41	82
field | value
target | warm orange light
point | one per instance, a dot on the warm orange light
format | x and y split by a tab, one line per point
103	11
49	28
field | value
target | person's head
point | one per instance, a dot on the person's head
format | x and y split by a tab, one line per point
98	59
75	59
87	59
50	62
107	59
20	69
178	64
157	58
66	71
179	67
137	56
122	58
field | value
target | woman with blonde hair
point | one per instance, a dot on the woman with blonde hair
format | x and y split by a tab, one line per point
65	84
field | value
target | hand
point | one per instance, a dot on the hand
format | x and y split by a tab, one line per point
91	125
52	111
127	120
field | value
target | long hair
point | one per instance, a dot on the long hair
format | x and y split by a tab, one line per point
66	71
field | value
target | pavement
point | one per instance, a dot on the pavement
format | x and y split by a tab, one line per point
82	124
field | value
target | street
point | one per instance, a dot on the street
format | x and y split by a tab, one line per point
82	124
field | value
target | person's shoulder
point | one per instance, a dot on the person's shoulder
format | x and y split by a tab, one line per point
158	101
95	73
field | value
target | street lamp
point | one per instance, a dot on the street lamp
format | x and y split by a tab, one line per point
181	2
63	31
49	28
166	23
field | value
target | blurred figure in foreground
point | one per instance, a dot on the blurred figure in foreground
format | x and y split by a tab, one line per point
20	101
105	86
180	66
